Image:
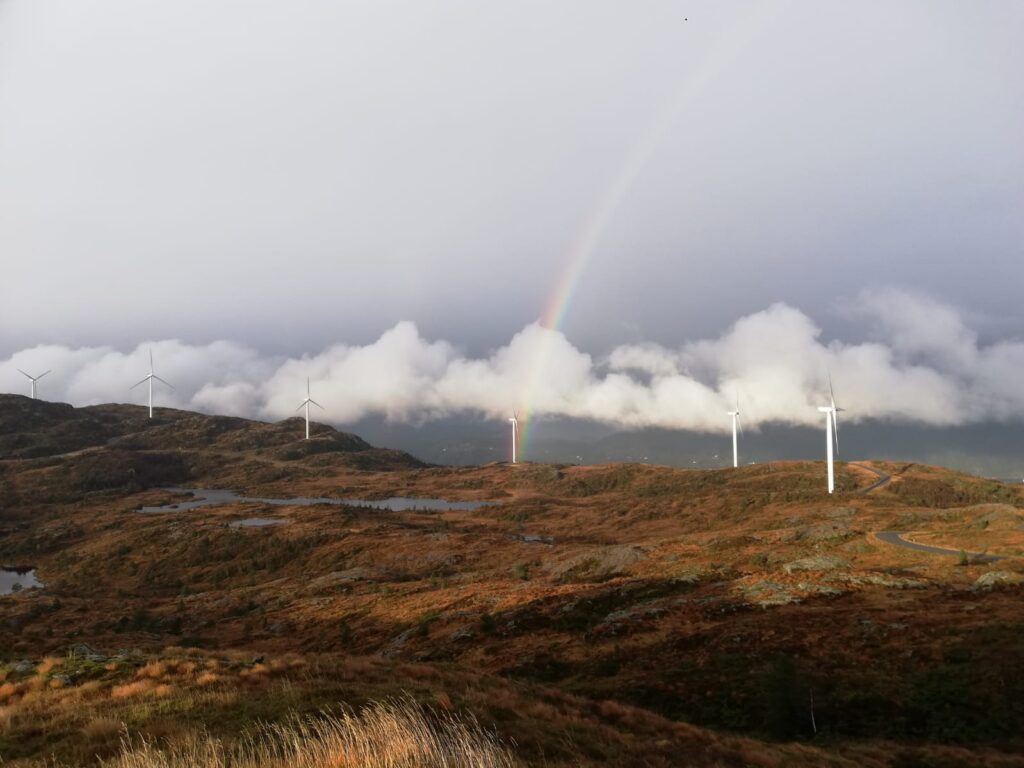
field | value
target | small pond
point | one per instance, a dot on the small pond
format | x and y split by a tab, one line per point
258	522
204	497
17	579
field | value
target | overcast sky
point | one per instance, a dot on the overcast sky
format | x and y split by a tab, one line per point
292	175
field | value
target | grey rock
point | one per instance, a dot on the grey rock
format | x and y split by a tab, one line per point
838	512
994	578
771	593
83	651
532	539
599	563
816	563
879	580
831	531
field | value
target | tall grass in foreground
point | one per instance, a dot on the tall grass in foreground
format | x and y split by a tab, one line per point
384	735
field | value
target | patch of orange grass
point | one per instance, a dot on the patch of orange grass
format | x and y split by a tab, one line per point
110	666
255	673
543	711
419	672
380	736
282	665
612	710
99	728
9	691
89	687
207	678
154	670
163	690
131	689
47	664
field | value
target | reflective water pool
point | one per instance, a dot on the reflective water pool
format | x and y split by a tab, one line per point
17	580
204	497
258	522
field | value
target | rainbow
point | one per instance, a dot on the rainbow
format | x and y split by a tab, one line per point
614	195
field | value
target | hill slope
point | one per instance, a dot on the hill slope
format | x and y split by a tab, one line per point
585	611
36	428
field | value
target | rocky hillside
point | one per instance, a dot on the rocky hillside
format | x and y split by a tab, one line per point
119	446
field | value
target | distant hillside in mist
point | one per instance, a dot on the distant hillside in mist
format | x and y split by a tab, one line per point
992	450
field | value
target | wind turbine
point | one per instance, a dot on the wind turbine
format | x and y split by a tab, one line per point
831	424
736	424
305	404
33	379
150	380
514	421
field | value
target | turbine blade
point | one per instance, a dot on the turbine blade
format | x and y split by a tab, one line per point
314	402
303	403
133	386
24	374
835	430
831	392
165	382
739	424
41	375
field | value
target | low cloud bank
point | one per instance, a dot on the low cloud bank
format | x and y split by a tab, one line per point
923	363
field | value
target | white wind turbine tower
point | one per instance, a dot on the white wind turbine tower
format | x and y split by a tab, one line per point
514	421
150	380
736	424
305	404
33	379
831	424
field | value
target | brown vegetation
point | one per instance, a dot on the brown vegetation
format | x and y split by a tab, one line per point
603	614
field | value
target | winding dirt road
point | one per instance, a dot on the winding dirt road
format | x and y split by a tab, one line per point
883	478
896	539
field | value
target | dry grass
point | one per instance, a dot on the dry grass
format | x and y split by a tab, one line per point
388	735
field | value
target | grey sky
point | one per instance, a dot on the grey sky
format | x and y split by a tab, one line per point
292	174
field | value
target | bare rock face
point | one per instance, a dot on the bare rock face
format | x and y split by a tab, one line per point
833	530
597	564
816	563
999	578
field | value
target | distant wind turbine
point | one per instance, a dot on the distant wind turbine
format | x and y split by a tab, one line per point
305	404
514	421
150	380
736	424
33	379
831	424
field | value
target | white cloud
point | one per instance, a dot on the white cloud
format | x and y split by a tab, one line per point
924	364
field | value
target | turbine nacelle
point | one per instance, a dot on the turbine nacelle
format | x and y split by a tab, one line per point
831	431
33	380
736	424
306	403
150	378
514	421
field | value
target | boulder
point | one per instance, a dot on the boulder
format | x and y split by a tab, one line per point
816	563
597	564
994	578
